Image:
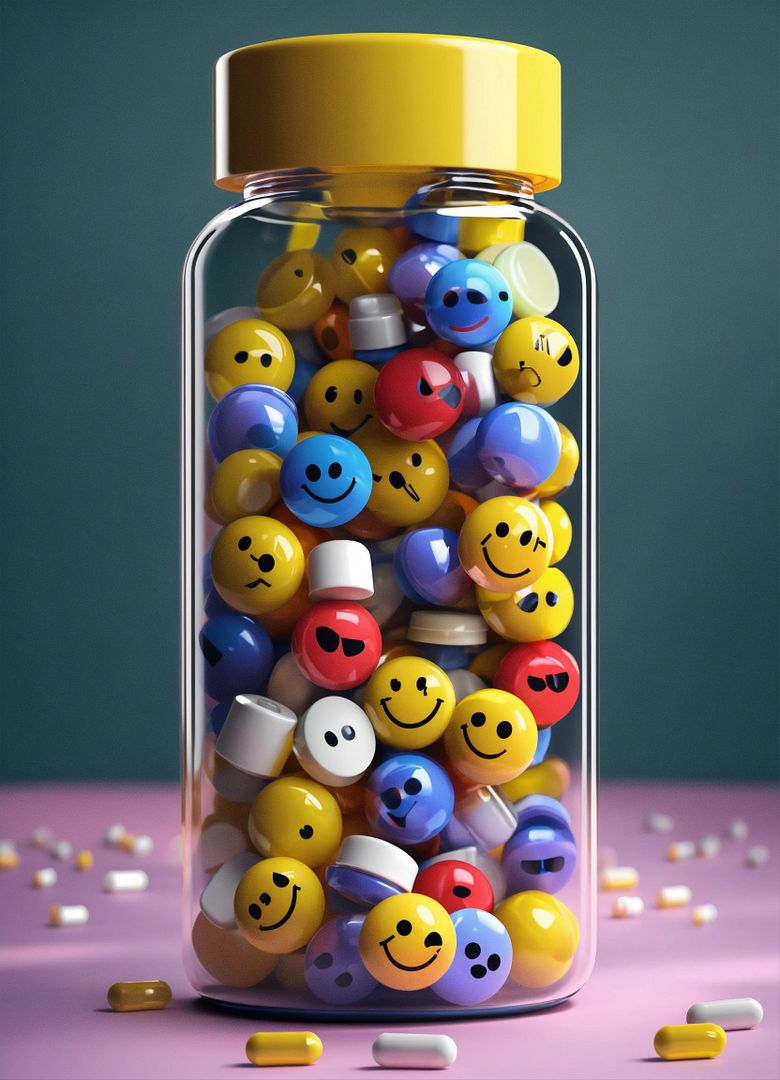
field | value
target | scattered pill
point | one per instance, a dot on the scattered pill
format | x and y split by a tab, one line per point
7	847
41	837
738	829
683	1042
139	996
126	842
85	860
125	881
732	1014
709	846
68	915
45	878
283	1048
142	845
216	900
607	857
9	858
618	877
627	907
61	849
673	896
681	849
703	914
114	834
399	1050
757	856
660	823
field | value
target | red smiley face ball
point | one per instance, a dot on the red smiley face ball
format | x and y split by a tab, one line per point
455	885
544	676
419	394
337	644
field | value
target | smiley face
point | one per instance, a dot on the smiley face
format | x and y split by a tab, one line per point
409	701
409	799
296	817
334	741
483	959
361	258
257	564
296	289
249	351
407	941
538	613
536	360
505	544
491	737
468	302
279	904
325	480
340	398
410	478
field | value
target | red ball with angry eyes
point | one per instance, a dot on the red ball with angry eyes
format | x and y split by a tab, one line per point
544	676
337	644
419	394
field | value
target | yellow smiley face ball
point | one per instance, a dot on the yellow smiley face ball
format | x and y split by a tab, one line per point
279	904
249	351
538	613
298	817
409	701
491	737
410	478
340	398
536	360
544	934
257	564
407	941
505	544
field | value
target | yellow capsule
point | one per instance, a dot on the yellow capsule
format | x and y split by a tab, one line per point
681	1042
139	996
284	1048
618	877
85	860
9	859
550	777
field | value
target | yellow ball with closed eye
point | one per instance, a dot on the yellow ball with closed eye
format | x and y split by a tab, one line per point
407	941
505	544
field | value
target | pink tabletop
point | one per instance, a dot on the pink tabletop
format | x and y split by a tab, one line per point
55	1022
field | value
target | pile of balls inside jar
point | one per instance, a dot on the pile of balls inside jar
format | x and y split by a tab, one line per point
383	552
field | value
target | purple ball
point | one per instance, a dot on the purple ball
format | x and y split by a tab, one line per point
541	853
408	799
332	966
483	958
410	273
519	445
253	417
428	560
237	656
466	471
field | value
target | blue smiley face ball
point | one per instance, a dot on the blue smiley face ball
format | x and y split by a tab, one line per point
409	798
483	959
325	480
468	302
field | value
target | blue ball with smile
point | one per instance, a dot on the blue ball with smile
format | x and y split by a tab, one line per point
325	480
409	799
468	302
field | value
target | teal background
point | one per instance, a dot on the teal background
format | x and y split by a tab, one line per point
670	129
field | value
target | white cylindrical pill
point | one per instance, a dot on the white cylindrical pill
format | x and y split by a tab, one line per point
257	736
61	849
68	915
681	849
340	570
757	856
399	1050
142	845
219	842
673	896
532	279
114	834
732	1014
476	366
216	900
378	858
487	815
738	829
45	878
447	628
660	823
465	682
125	881
234	784
618	877
709	846
627	907
41	837
703	914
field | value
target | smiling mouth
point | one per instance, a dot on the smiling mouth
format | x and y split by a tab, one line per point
466	329
502	573
290	910
405	967
338	498
346	432
400	819
472	747
260	581
526	370
400	723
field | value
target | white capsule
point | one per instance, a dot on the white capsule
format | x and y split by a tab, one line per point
732	1014
627	907
703	914
45	878
757	856
681	849
114	834
216	900
399	1050
738	829
618	877
61	849
125	881
660	823
142	845
41	837
487	815
256	737
68	915
709	846
673	896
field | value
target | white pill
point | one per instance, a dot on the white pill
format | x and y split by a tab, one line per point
378	858
703	914
477	369
340	570
447	628
709	846
41	837
387	596
487	815
257	735
673	896
216	900
465	682
219	842
627	907
45	877
126	881
142	845
399	1050
68	915
289	686
681	849
334	741
738	829
490	867
732	1014
61	849
618	877
114	834
532	279
660	823
757	856
235	784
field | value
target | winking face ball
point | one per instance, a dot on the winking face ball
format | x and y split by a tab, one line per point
505	544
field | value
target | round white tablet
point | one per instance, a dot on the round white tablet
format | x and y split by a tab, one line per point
334	741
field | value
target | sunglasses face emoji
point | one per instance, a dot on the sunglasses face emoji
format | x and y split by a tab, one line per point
297	817
407	942
491	737
340	398
544	676
337	644
409	700
538	613
410	478
257	564
325	480
505	544
279	903
249	351
536	360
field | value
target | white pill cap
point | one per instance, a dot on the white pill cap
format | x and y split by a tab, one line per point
531	277
376	321
488	815
257	735
477	369
340	570
379	859
447	628
465	682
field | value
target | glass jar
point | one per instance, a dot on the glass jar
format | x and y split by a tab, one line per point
389	527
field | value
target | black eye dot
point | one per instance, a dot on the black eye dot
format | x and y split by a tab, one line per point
266	563
478	719
395	685
536	683
348	733
502	529
281	881
298	273
413	786
416	460
241	357
504	729
450	299
461	891
404	928
478	971
245	543
529	603
323	961
565	358
494	961
306	832
313	473
432	939
424	388
331	738
331	394
526	538
503	295
422	684
334	470
552	599
391	797
266	359
349	256
475	297
358	396
344	979
254	911
472	950
265	899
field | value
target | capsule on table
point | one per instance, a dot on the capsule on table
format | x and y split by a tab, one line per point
283	1048
627	907
732	1014
45	877
703	914
618	877
68	915
85	860
738	829
757	856
114	834
683	1042
139	996
403	1050
709	846
125	881
673	896
41	837
660	823
9	857
681	849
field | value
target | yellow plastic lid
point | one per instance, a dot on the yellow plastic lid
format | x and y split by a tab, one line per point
387	102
